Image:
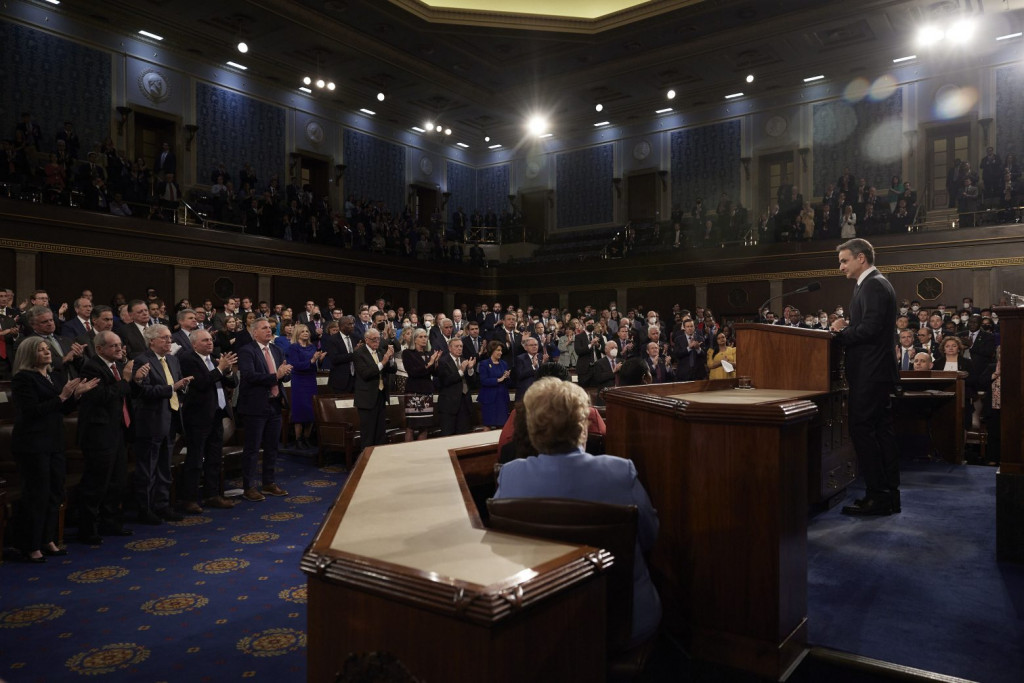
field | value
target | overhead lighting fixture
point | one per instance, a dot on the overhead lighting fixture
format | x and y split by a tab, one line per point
811	79
380	96
546	135
237	66
750	78
447	131
305	89
671	94
734	96
330	85
242	47
438	128
493	146
904	59
428	125
462	144
929	35
367	111
663	111
53	2
961	32
537	125
307	80
320	83
1008	36
144	33
598	107
487	138
418	129
601	123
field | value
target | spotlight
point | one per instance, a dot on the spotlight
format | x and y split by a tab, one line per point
961	32
750	78
380	97
929	35
438	128
429	126
330	85
599	107
487	138
537	125
671	94
320	83
242	47
307	80
447	131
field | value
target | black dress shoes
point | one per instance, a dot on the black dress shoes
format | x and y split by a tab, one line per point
148	517
169	515
866	507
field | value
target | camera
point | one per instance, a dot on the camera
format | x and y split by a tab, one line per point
381	326
316	316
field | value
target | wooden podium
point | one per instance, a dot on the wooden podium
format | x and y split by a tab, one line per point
727	470
1010	477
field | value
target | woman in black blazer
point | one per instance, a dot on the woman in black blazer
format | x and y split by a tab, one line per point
41	400
952	353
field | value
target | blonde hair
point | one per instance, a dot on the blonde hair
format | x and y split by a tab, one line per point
556	415
25	356
296	330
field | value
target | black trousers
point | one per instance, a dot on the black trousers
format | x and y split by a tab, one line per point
873	436
102	488
372	424
42	492
204	443
457	422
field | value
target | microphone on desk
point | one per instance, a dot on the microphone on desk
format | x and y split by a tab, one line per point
812	287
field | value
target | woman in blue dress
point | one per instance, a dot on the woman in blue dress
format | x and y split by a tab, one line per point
493	397
302	356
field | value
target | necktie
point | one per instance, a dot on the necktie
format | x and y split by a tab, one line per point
689	340
88	325
170	381
348	346
380	381
533	361
54	345
220	390
906	360
274	390
124	403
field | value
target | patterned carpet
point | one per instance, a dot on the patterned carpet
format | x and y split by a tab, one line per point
218	596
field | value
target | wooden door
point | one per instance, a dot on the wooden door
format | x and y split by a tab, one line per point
151	132
776	170
642	196
945	146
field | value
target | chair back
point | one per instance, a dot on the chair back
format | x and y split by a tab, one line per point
601	525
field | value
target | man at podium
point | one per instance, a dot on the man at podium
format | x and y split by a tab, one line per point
871	372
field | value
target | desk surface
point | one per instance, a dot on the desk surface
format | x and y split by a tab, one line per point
746	397
408	509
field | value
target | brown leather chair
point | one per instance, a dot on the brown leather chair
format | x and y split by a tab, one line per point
601	525
336	428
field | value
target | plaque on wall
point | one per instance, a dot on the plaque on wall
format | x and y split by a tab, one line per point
641	150
314	132
426	166
776	126
738	297
929	288
154	86
532	169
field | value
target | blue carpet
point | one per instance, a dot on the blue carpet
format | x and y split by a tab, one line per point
216	597
921	588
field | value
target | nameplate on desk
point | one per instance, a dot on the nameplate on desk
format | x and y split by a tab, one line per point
344	403
321	380
393	400
575	379
3	397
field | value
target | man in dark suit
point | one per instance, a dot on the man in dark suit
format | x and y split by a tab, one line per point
202	417
187	323
371	386
104	429
473	346
589	347
132	332
441	334
982	346
260	399
526	366
511	344
871	372
363	324
453	402
689	353
165	162
100	320
67	358
156	421
339	348
80	323
488	321
602	373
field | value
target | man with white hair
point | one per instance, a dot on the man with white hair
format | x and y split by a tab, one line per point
371	389
603	372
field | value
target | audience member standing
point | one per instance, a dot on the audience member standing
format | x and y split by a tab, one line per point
494	395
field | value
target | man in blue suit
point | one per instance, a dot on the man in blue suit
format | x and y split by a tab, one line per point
260	399
156	421
80	324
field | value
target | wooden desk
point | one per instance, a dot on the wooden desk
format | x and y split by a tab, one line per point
932	404
402	564
726	469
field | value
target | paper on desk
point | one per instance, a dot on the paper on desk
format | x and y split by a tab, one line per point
727	366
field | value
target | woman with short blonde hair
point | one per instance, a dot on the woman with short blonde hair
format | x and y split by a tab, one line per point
556	416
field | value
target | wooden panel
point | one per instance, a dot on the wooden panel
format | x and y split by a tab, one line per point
393	296
642	193
661	299
543	300
65	276
1010	477
430	301
597	298
7	262
295	292
747	297
202	284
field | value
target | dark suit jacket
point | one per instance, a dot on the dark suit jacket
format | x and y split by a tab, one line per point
449	385
100	410
661	374
962	364
368	377
200	404
341	380
868	337
601	374
487	323
525	374
983	351
180	337
682	354
467	347
134	340
437	340
153	406
58	366
257	380
73	327
39	413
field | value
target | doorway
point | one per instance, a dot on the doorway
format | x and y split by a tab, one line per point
426	205
642	196
945	145
314	171
775	170
151	132
535	217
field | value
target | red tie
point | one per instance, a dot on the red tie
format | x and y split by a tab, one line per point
88	325
274	391
124	403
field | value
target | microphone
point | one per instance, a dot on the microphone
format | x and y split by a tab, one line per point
812	287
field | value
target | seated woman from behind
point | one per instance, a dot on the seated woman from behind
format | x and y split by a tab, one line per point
556	418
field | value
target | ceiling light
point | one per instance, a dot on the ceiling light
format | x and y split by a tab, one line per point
242	47
305	89
671	94
929	35
418	129
750	78
428	125
663	111
487	138
307	80
330	85
493	146
150	35
447	131
598	107
734	95
1008	36
367	111
438	128
546	135
601	123
904	59
961	32
237	65
320	83
380	97
811	79
462	144
53	2
537	125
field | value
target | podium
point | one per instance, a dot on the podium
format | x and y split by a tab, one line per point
727	470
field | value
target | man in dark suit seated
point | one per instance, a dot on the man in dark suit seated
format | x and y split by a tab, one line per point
104	429
157	420
453	402
339	348
202	415
260	399
371	387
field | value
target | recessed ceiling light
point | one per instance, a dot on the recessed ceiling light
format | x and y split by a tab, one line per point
462	144
367	111
418	129
671	94
663	111
447	131
811	79
53	2
380	97
320	83
330	85
487	138
546	135
237	65
601	123
493	146
750	78
598	107
904	59
1008	36
148	34
438	128
307	80
929	35
428	125
537	125
305	89
734	96
242	47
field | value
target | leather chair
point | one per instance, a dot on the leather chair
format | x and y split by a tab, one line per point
601	525
338	427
